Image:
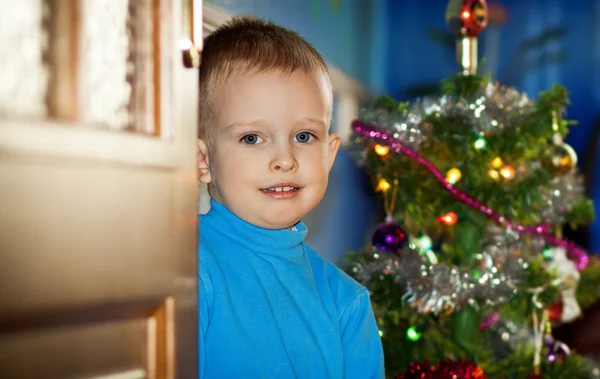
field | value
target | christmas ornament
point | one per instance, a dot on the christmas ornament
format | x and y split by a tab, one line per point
575	253
561	159
555	311
467	18
557	350
560	350
389	237
462	369
568	278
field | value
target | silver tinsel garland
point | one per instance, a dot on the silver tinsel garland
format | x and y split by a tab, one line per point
436	287
493	109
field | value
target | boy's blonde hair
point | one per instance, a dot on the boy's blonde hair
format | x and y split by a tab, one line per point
248	44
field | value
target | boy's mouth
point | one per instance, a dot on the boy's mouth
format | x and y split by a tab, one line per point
280	189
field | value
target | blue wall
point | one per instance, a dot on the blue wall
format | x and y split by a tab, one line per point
572	60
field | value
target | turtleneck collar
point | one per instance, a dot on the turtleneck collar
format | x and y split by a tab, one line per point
281	242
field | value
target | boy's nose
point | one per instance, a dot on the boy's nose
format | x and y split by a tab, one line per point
284	161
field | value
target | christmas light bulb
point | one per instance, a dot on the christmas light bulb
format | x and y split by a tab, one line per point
383	185
412	334
497	162
507	172
480	143
381	150
494	174
453	175
449	218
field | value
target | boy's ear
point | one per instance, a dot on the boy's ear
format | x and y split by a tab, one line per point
334	146
203	163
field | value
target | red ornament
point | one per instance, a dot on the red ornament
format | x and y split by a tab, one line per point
555	311
534	376
467	18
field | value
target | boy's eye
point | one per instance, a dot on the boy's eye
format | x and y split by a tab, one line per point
251	139
304	137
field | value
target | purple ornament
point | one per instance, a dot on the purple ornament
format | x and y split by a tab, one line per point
389	237
557	350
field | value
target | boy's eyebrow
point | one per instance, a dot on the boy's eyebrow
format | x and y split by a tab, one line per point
314	121
261	122
239	124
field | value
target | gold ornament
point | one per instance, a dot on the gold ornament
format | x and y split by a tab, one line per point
561	160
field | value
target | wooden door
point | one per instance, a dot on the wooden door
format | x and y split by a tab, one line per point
98	190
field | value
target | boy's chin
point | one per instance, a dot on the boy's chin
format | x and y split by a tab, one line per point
277	225
275	221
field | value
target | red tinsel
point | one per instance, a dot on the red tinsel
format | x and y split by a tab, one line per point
461	369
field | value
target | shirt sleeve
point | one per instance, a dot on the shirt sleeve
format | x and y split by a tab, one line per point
363	353
205	294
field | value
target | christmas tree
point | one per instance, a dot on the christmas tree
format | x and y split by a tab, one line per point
469	271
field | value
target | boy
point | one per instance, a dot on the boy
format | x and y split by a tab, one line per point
270	307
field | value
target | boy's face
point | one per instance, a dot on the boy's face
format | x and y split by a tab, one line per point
271	150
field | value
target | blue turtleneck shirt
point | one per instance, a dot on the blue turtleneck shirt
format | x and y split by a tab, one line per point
270	307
